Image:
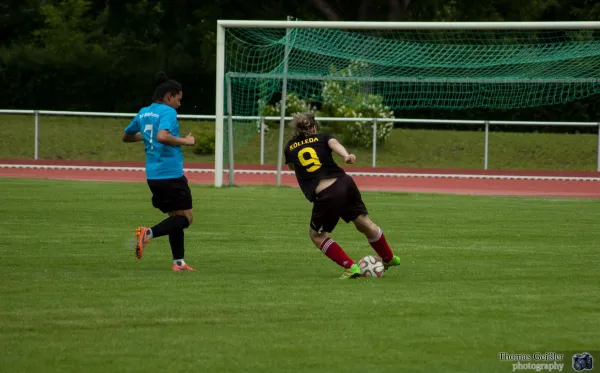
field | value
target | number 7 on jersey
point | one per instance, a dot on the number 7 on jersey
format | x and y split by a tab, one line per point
150	128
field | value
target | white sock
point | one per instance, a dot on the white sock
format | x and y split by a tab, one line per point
179	262
149	233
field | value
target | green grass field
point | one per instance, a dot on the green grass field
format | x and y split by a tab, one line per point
480	275
80	138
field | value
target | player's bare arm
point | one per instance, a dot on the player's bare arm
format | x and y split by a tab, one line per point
132	138
339	149
291	166
165	137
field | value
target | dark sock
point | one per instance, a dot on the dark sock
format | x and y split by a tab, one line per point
170	224
176	240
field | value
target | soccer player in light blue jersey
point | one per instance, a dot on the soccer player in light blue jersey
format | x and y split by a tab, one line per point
156	125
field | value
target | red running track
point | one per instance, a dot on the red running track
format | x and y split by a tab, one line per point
426	184
350	168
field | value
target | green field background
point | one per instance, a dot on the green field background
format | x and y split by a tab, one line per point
479	275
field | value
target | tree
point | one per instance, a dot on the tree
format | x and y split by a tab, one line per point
372	10
18	19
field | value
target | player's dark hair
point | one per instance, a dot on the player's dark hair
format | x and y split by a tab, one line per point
303	123
164	86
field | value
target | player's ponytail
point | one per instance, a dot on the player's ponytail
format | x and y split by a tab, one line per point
164	86
303	124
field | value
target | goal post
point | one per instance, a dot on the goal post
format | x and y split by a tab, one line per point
402	65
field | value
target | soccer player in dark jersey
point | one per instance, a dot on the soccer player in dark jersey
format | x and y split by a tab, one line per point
333	193
156	125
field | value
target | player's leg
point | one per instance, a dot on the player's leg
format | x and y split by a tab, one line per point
324	219
175	222
377	240
357	212
333	251
159	190
171	196
177	242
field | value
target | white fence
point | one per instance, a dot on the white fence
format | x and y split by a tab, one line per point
486	124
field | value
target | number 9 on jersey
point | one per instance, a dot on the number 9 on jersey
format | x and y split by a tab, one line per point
312	162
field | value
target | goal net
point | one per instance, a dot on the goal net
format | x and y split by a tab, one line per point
345	68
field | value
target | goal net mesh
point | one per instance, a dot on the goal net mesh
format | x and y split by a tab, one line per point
346	70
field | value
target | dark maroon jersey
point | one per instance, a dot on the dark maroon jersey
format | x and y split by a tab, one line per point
313	161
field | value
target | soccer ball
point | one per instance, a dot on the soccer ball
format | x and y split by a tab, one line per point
371	266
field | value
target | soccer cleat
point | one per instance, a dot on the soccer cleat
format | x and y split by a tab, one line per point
185	267
142	240
392	263
352	272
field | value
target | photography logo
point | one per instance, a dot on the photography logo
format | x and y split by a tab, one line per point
563	361
583	362
538	362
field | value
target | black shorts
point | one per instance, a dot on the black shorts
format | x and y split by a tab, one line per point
171	194
341	199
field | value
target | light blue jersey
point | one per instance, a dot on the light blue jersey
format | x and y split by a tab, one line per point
162	161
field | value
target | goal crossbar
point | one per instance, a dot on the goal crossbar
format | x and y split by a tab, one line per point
564	25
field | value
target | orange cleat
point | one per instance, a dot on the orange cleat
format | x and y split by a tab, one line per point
185	267
142	240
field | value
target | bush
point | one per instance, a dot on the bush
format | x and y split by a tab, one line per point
341	99
346	99
205	144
